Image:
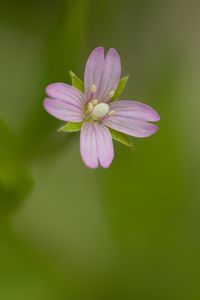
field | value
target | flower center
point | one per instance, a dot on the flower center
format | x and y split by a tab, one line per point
96	111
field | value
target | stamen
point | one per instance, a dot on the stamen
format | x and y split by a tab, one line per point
90	107
94	102
93	88
111	94
111	113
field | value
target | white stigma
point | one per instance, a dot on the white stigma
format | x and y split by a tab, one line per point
100	110
93	88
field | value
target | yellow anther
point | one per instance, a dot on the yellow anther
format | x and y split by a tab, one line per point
93	88
90	107
111	112
94	102
111	94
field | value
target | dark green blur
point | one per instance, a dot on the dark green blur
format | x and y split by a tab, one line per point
131	232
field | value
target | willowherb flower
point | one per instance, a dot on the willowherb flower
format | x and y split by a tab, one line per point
91	108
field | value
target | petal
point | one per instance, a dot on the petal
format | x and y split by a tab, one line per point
111	75
94	70
130	126
88	145
96	145
134	109
104	145
63	110
67	93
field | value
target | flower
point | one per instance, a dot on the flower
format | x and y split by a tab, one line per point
97	112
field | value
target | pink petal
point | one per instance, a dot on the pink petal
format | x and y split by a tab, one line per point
96	145
94	70
63	110
67	93
111	75
104	145
88	145
130	126
134	110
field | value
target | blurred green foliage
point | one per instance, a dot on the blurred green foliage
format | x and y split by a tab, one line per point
15	180
129	232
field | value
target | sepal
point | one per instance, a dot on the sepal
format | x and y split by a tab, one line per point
71	127
76	82
120	87
121	137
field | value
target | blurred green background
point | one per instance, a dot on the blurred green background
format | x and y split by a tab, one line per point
129	232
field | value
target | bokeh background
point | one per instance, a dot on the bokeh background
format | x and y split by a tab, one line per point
129	232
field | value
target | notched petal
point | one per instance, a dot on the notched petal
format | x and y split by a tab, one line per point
135	110
65	92
111	75
62	110
93	71
96	145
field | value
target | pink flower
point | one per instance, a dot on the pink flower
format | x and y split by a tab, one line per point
96	110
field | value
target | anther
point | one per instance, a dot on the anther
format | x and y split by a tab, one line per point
90	107
111	112
93	88
94	102
111	94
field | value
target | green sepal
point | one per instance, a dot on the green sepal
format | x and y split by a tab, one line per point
121	137
120	87
76	82
71	127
